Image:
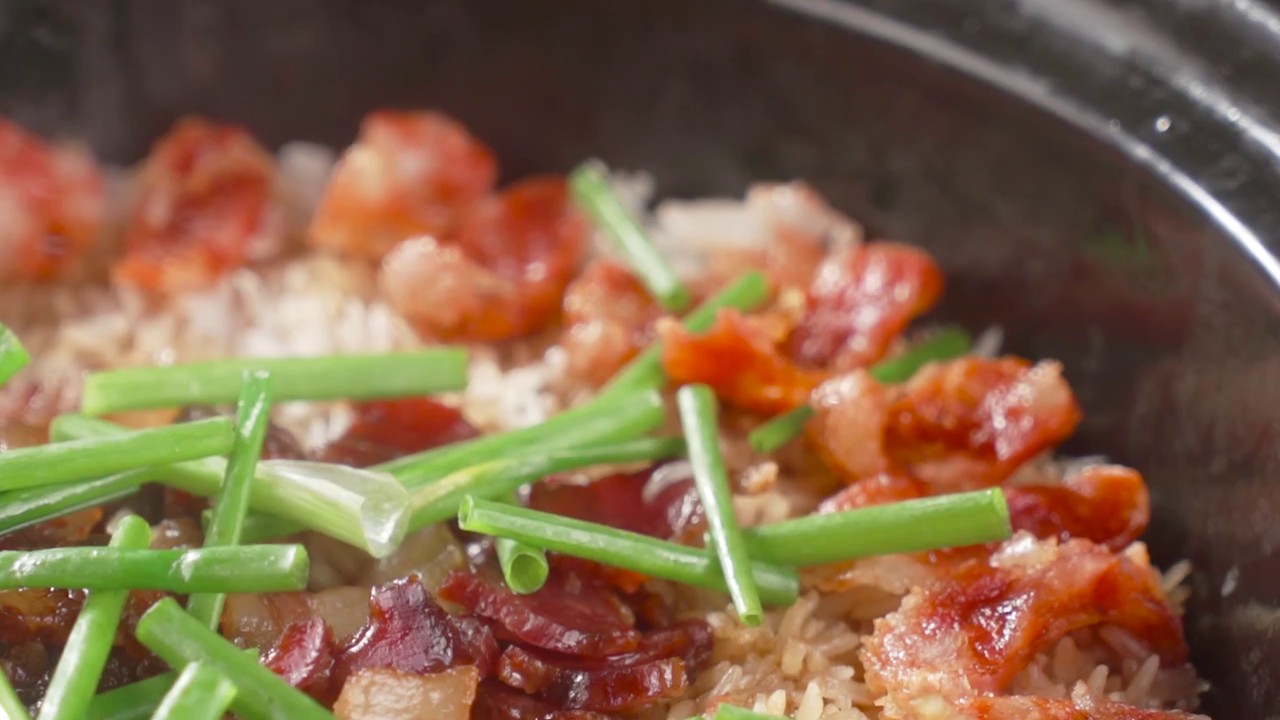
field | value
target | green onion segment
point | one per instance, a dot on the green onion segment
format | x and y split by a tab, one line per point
592	192
13	356
619	548
90	458
180	639
699	415
334	377
23	508
244	568
231	503
200	693
75	679
11	706
644	372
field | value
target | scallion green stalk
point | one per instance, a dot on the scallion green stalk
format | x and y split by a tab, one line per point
11	706
23	508
180	639
620	548
200	693
699	415
245	568
593	194
335	377
75	679
13	356
231	504
87	459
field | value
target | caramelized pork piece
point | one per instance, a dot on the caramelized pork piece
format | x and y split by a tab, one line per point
502	275
967	636
608	318
51	205
1080	706
739	358
384	430
408	174
860	300
204	206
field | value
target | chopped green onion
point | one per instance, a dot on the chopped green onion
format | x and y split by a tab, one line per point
66	462
22	508
524	567
200	693
619	548
931	523
246	568
620	418
11	706
699	416
13	357
365	509
253	415
945	344
779	431
439	501
336	377
593	194
644	372
135	701
138	700
180	639
75	679
259	527
730	712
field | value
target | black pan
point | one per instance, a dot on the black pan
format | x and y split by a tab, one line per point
1100	180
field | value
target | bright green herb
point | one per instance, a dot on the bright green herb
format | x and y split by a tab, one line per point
931	523
439	501
253	415
259	527
135	701
365	509
79	669
945	344
246	568
22	508
180	639
200	693
619	548
644	372
699	416
620	418
730	712
524	567
335	377
66	462
13	357
11	706
593	194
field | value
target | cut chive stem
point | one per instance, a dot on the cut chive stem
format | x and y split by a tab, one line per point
524	567
592	192
231	504
138	700
13	356
260	527
23	508
644	372
362	508
67	462
200	693
245	568
947	343
620	418
180	639
335	377
439	501
699	415
75	679
957	520
731	712
619	548
11	706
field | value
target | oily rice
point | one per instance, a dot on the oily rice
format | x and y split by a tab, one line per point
802	662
